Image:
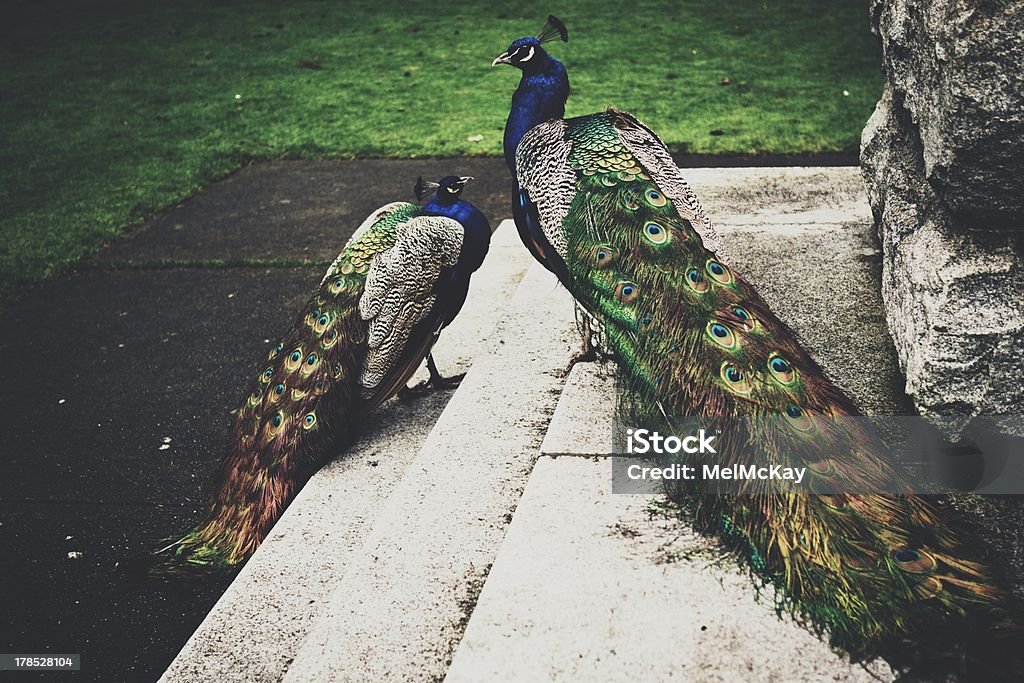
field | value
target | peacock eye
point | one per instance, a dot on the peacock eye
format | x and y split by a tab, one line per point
309	421
914	561
279	389
323	320
741	313
736	379
296	356
626	292
656	233
799	419
781	369
603	255
696	281
267	374
276	420
311	360
655	198
719	273
721	335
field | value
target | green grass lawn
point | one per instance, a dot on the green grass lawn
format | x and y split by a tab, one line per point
111	111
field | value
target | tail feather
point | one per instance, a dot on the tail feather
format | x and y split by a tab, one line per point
882	573
300	406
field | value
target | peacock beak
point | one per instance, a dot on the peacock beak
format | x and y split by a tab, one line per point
503	58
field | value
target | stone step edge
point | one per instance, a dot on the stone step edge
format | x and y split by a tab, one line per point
256	627
400	609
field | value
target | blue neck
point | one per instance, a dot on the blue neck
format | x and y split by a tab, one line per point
477	231
540	97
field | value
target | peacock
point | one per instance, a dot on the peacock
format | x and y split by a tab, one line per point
600	203
401	279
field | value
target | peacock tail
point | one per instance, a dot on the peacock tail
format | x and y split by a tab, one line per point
358	340
299	402
697	342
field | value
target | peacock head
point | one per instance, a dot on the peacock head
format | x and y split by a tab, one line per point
447	189
526	53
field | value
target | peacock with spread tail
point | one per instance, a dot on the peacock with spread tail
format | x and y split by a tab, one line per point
401	279
599	201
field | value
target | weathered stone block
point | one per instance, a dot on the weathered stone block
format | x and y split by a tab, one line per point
958	65
953	297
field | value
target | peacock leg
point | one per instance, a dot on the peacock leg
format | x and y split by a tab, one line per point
436	381
591	351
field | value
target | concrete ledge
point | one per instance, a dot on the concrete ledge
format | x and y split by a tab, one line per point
758	196
582	423
403	603
592	586
393	580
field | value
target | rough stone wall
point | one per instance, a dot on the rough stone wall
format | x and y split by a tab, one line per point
943	161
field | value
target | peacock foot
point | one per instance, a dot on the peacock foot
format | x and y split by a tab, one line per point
590	353
434	383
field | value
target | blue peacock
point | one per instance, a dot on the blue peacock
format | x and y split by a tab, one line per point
599	201
400	280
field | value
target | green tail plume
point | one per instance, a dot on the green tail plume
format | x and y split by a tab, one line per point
895	575
300	408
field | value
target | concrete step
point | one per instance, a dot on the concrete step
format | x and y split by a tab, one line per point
594	586
254	631
400	609
589	585
394	579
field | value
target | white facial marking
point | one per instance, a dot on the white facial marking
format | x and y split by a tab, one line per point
527	57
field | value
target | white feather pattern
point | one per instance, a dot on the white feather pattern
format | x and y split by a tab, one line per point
542	168
399	290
